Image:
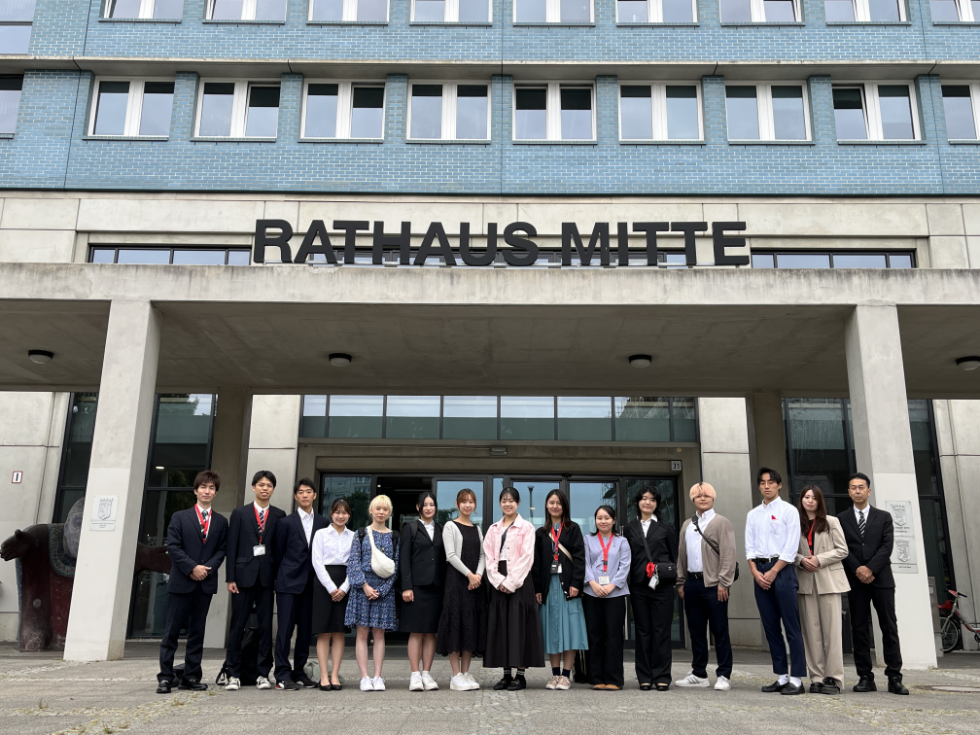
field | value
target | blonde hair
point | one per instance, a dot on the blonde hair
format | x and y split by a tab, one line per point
703	487
380	501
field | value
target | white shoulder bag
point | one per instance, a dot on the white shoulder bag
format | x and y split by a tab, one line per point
380	563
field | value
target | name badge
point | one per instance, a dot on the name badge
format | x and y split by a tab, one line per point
556	568
603	581
258	550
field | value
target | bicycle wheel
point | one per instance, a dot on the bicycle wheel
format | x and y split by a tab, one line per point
950	633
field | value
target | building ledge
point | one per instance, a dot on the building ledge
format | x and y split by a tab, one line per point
956	22
592	143
239	22
346	22
662	142
869	23
954	141
6	136
771	142
579	24
450	24
374	141
208	139
150	138
648	24
764	24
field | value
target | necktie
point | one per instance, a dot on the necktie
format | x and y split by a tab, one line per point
861	523
204	523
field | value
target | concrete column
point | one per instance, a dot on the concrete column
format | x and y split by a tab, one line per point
274	443
768	434
106	559
725	463
883	449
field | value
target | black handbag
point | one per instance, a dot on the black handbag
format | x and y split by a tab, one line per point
666	570
712	544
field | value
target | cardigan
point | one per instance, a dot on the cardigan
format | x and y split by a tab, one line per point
717	569
452	540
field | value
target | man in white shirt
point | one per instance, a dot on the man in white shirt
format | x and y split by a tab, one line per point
772	537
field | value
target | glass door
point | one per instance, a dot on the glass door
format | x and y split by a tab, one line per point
585	496
533	492
446	491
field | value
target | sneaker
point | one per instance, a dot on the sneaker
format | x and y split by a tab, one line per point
233	685
379	684
263	682
428	682
367	684
692	681
459	683
553	684
474	684
415	683
288	684
563	684
722	685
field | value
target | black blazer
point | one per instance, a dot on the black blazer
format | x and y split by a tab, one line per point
292	557
572	572
187	549
874	551
421	562
662	540
244	568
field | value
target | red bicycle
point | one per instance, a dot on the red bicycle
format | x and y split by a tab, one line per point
954	622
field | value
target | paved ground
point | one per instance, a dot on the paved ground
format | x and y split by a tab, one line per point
40	694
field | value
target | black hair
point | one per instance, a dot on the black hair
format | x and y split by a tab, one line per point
263	474
566	517
643	491
859	476
304	481
773	475
612	513
207	477
340	504
512	492
421	501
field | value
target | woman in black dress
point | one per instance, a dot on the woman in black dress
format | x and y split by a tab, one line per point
463	624
423	573
653	609
330	552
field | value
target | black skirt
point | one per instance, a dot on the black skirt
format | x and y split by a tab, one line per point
514	629
328	616
422	615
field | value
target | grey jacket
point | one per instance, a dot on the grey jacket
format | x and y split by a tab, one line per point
452	539
717	569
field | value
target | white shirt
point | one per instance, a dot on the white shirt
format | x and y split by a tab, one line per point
307	519
330	548
857	513
647	522
773	530
260	509
693	541
430	528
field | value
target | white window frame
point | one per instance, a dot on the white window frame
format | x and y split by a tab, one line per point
757	8
872	111
146	9
239	107
248	10
655	11
345	106
451	12
964	9
448	128
553	111
658	99
767	122
974	101
553	13
349	14
134	105
862	11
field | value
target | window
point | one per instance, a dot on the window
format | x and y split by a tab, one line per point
656	11
760	11
767	112
845	259
9	102
553	112
449	112
344	110
451	11
168	9
351	10
552	11
961	103
953	11
865	10
133	107
169	256
659	112
16	17
875	112
238	110
247	10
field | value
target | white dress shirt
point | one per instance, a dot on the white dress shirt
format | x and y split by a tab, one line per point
773	530
693	541
307	519
430	528
331	548
647	522
857	513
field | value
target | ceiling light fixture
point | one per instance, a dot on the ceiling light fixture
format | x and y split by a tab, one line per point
40	357
340	359
969	363
640	361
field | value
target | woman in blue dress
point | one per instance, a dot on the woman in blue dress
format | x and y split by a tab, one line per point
372	600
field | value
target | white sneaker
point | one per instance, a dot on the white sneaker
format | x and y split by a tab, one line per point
474	684
263	682
459	683
692	681
379	684
415	683
367	684
723	684
233	685
428	682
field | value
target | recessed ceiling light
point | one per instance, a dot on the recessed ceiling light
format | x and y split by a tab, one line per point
340	359
969	363
40	357
640	361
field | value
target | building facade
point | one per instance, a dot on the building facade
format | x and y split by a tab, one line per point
433	244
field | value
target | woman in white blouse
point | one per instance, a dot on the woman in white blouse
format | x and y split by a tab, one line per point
330	551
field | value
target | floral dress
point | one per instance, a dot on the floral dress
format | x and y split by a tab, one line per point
379	613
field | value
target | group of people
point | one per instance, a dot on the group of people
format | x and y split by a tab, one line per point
523	593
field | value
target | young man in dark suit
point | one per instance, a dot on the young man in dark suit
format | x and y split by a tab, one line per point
870	533
250	576
196	541
294	586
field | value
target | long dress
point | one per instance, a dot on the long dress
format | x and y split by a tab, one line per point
361	611
463	623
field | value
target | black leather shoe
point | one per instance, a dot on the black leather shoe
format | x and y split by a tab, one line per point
517	684
192	685
164	687
504	682
792	688
828	686
774	687
866	684
326	688
304	681
895	686
816	687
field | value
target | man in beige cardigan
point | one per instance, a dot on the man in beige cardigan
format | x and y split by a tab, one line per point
705	572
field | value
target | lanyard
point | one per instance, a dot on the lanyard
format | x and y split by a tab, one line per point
200	519
555	537
261	521
605	550
809	536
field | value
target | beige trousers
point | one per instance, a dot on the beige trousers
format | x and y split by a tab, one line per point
820	619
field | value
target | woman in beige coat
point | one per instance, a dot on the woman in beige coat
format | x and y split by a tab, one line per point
822	580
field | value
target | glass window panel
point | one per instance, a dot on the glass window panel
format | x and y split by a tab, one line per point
144	256
527	417
270	9
642	419
685	415
884	10
839	10
763	260
860	260
103	255
900	261
17	9
372	10
958	107
678	11
367	117
736	11
321	111
469	417
372	406
803	260
66	499
574	11
79	449
531	11
895	104
158	100
216	109
183	429
474	11
743	113
584	418
531	116
682	113
15	39
355	490
10	88
789	121
632	11
314	420
779	11
227	9
576	114
849	114
328	10
110	111
533	493
263	112
585	497
636	111
356	417
426	111
945	10
168	9
471	112
446	492
975	4
239	257
818	450
199	257
117	9
412	417
430	10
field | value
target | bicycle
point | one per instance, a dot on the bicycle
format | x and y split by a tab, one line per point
953	620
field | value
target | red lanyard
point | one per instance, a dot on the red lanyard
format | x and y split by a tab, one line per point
555	537
204	523
809	536
605	551
260	521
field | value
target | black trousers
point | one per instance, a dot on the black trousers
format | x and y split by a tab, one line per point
294	612
778	610
259	597
704	612
860	599
604	621
653	613
190	610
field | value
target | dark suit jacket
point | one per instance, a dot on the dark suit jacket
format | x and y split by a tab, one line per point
874	551
662	541
572	572
292	552
187	549
421	562
244	568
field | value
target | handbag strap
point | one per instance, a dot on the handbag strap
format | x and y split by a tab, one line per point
709	542
646	545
